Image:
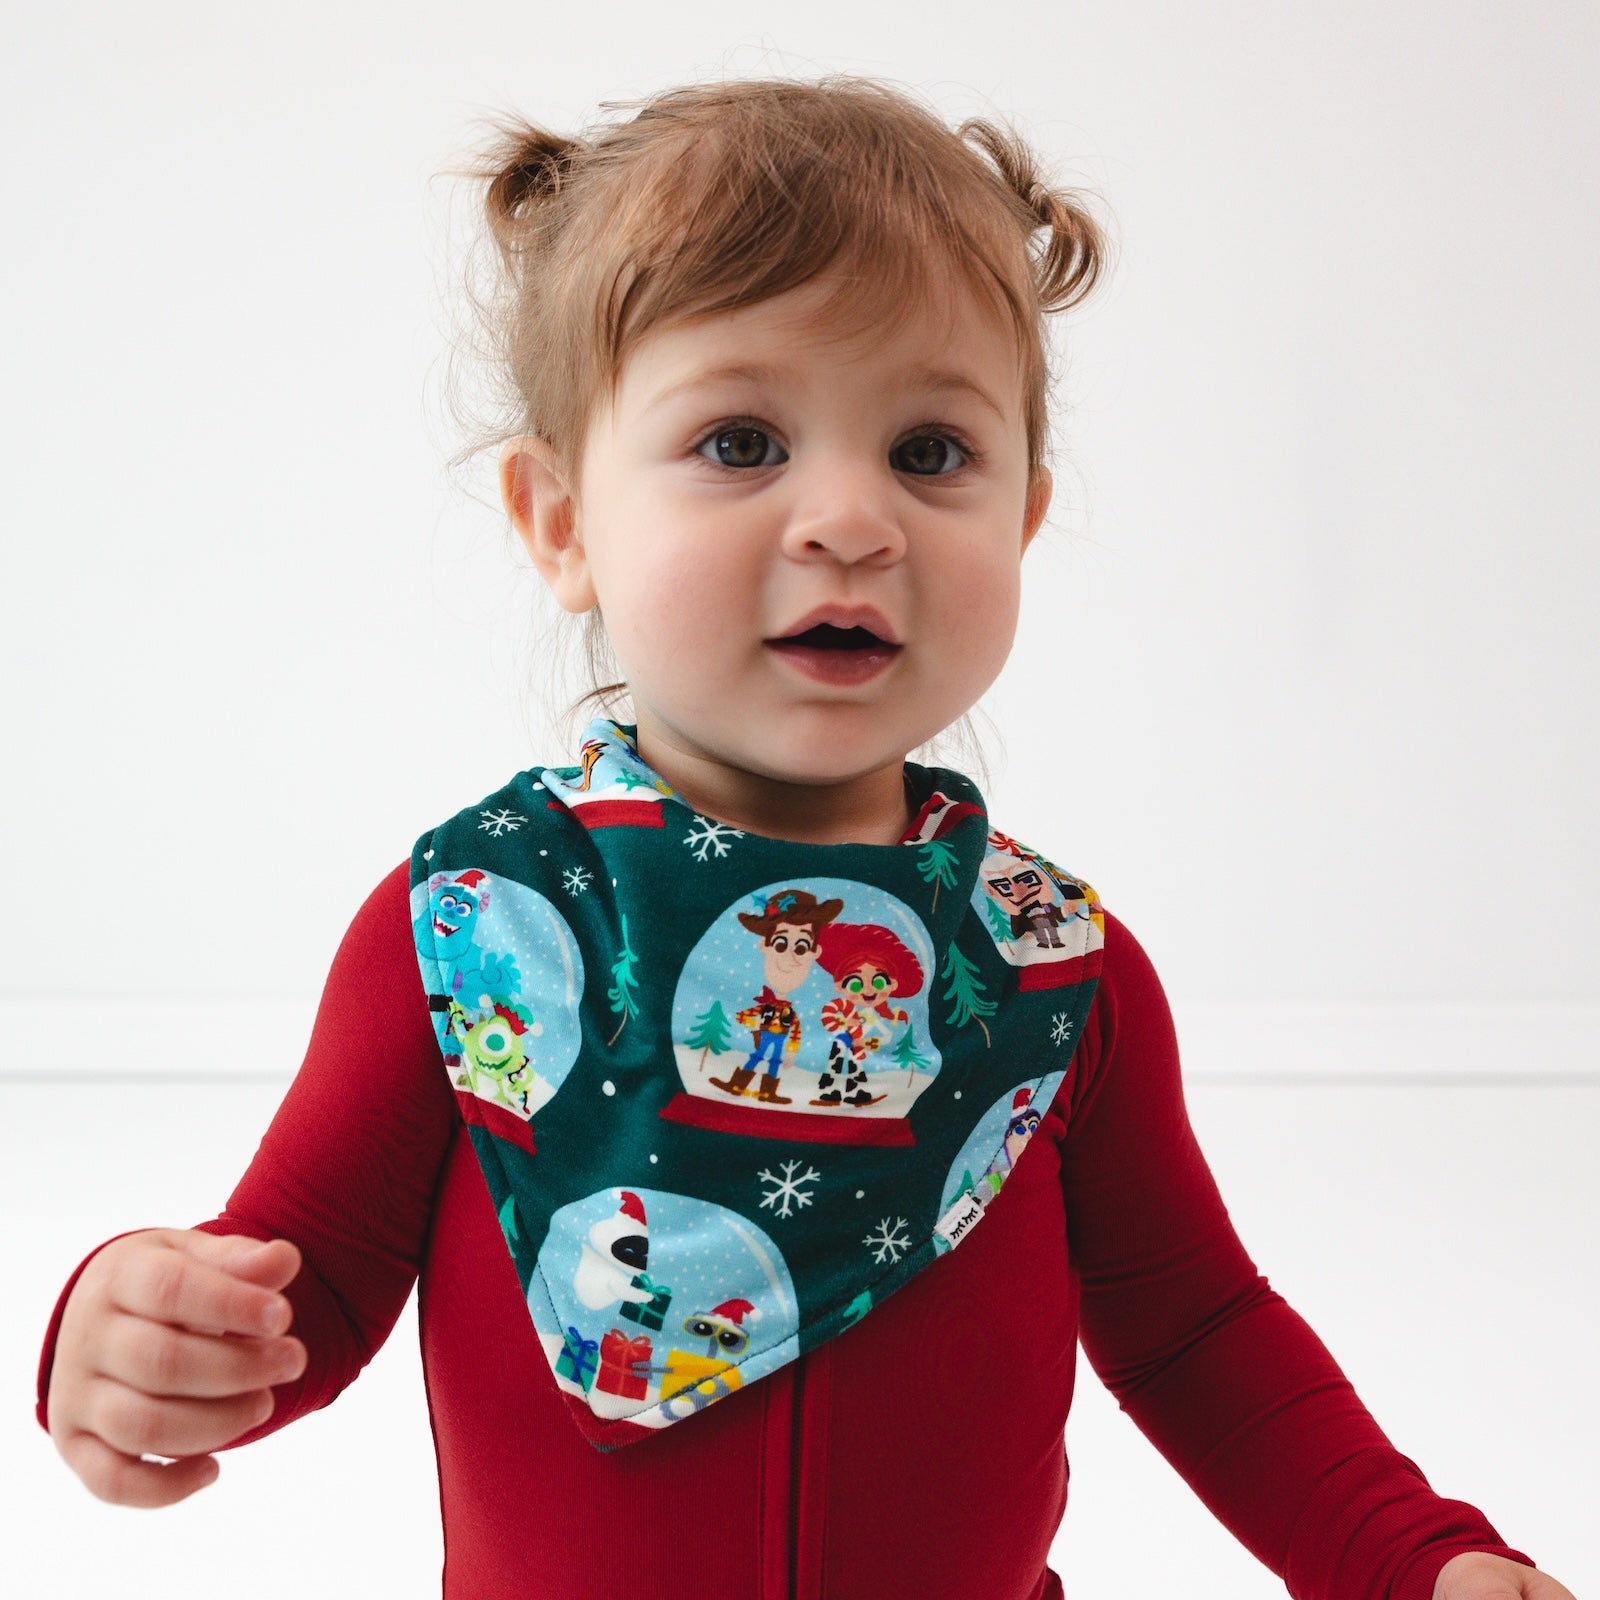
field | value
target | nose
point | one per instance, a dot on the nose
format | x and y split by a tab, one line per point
846	510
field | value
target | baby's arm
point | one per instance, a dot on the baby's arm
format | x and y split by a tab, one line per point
345	1174
1222	1375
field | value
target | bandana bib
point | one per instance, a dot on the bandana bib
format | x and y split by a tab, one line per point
729	1092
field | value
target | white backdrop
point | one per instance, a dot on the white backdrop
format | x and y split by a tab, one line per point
1308	653
1306	680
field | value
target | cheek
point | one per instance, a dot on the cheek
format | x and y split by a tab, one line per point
977	602
654	603
977	573
657	580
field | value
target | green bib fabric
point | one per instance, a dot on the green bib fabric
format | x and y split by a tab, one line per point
729	1092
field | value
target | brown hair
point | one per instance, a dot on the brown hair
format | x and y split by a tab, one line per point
721	195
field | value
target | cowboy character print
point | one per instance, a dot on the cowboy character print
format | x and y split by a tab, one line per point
787	926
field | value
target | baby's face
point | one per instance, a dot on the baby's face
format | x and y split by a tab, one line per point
717	511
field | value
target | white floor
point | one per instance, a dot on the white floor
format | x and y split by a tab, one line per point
1441	1239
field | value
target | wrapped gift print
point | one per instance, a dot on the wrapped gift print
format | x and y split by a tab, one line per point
652	1305
802	1013
503	977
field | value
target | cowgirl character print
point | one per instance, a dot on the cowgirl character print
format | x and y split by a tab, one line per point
868	965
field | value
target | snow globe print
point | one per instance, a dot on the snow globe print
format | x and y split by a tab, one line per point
802	1013
647	1303
503	977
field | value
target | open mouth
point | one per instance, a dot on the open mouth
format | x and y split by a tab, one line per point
827	637
836	655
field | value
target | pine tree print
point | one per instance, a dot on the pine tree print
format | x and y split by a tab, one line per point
999	923
907	1054
969	1003
711	1031
620	994
936	862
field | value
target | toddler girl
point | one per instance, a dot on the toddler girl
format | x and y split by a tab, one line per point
763	1124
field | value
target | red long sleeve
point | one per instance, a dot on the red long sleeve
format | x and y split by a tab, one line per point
1111	1228
1217	1370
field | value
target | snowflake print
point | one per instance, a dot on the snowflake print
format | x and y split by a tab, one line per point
710	836
502	821
787	1188
888	1243
1060	1028
575	880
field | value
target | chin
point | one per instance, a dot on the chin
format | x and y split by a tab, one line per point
819	751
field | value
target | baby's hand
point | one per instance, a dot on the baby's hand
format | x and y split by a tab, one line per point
169	1345
1477	1575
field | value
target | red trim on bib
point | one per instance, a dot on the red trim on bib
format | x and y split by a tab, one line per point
802	1127
503	1124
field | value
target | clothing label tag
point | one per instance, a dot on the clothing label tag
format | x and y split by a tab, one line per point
959	1220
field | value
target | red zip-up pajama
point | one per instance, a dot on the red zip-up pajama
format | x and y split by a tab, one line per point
814	1482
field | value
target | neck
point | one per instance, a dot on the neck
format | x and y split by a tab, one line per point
873	808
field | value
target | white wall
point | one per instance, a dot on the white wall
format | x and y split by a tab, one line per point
1310	660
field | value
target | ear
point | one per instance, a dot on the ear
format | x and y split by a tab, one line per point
540	503
1037	504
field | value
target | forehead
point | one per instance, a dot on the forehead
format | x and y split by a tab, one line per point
793	929
1019	874
946	342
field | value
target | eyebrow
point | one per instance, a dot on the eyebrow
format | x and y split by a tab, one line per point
940	380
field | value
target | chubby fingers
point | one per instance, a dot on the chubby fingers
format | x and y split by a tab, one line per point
137	1424
124	1480
271	1263
170	1362
203	1282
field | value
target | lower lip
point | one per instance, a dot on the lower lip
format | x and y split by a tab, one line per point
843	667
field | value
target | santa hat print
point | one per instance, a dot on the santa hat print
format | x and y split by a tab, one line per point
734	1312
470	880
632	1206
1021	1100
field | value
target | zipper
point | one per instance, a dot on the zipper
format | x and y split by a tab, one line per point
793	1477
796	1508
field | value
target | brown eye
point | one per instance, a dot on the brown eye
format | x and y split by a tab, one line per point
741	446
931	455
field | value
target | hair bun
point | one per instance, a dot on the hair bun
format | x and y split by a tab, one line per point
529	165
1072	258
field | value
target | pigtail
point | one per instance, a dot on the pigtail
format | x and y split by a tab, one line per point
526	167
1074	254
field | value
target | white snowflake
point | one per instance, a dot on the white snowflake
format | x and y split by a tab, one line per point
1060	1028
502	821
710	836
787	1187
575	880
888	1243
